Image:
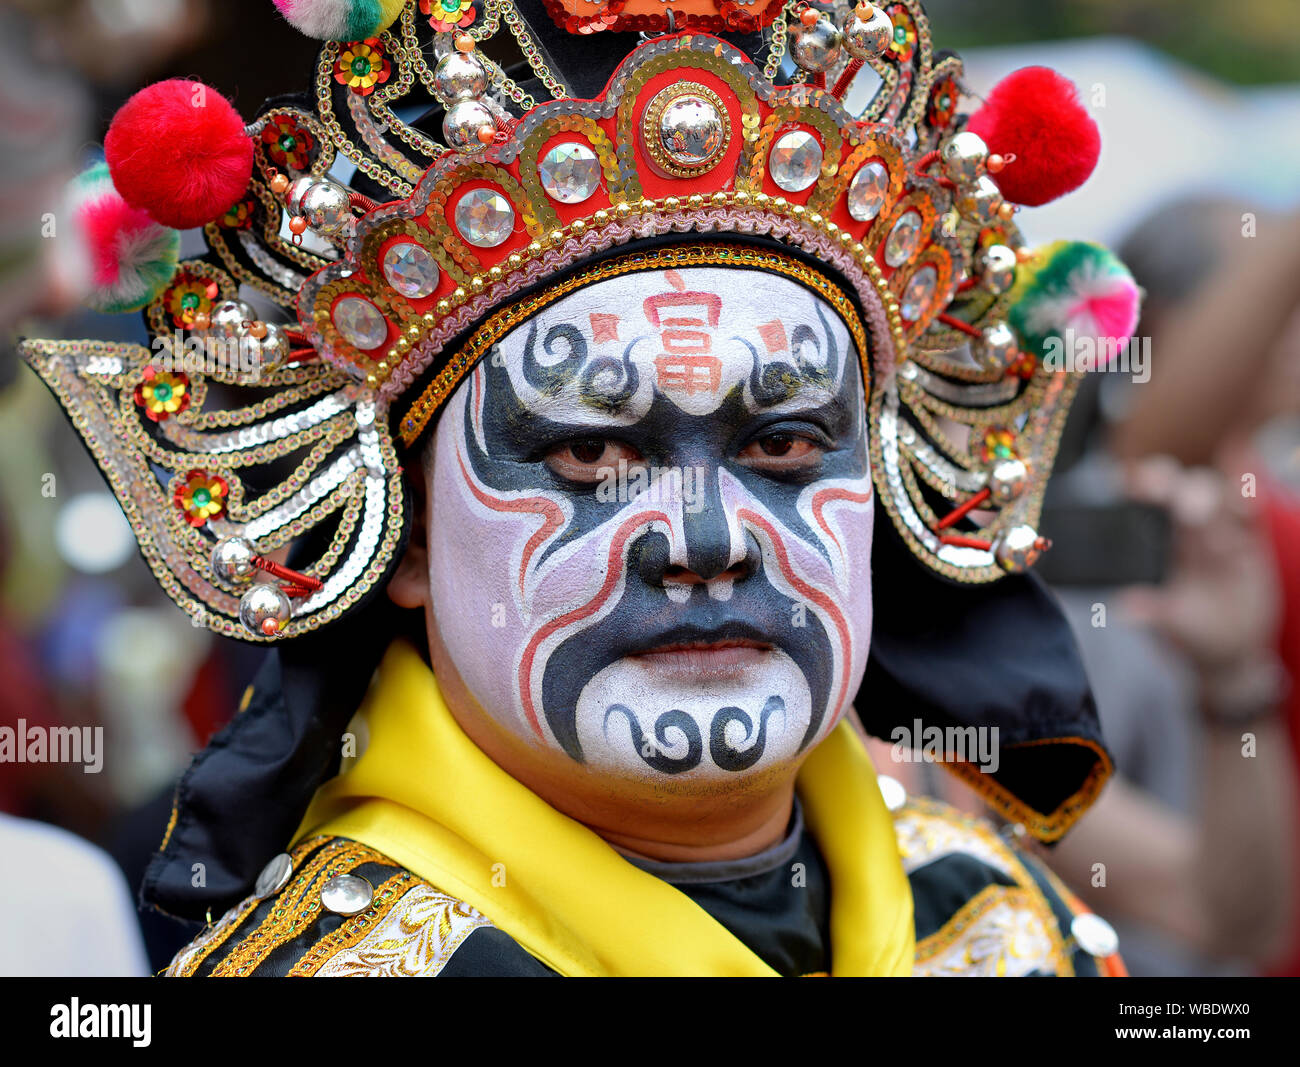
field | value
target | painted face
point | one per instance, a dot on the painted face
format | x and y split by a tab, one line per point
651	542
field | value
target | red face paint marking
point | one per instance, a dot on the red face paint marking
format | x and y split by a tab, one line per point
773	335
537	504
614	565
824	496
603	328
816	596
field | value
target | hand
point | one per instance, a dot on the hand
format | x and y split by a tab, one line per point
1220	603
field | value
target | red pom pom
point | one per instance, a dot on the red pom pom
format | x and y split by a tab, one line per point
178	150
1035	114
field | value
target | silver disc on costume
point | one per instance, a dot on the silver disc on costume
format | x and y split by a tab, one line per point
1094	935
274	877
347	894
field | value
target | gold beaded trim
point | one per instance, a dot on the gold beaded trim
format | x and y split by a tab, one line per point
505	320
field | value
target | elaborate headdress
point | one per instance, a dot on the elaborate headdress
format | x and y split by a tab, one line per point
421	201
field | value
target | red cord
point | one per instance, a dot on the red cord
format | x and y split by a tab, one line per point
362	202
923	166
843	82
296	584
301	355
927	161
957	324
965	542
962	509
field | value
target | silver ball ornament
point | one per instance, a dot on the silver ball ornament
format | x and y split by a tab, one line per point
997	349
297	190
979	202
965	157
868	38
461	124
459	76
264	610
996	266
232	560
269	351
1008	479
1019	548
327	208
816	48
228	318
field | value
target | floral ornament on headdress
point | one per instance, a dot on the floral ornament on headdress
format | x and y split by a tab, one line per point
904	41
287	144
943	102
362	65
998	443
239	217
201	496
162	394
448	15
189	298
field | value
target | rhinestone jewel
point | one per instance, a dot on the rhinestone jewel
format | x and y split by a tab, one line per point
918	293
904	239
485	218
867	191
411	270
347	894
360	323
691	132
570	172
796	160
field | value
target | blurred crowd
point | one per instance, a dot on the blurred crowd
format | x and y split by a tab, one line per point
1185	488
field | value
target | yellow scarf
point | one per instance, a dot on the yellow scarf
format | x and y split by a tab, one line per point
423	794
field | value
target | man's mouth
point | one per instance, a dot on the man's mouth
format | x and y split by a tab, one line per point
704	659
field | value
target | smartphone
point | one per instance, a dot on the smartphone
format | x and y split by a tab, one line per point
1113	544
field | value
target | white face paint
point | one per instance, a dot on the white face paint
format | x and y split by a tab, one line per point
652	526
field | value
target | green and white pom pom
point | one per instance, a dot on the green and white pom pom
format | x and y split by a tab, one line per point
132	258
341	20
1072	291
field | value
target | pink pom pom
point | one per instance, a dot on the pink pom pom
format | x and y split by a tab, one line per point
131	258
178	150
1110	316
1035	115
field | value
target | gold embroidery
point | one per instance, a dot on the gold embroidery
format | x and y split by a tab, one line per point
416	938
189	958
1002	932
355	928
297	907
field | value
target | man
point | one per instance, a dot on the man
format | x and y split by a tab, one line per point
649	411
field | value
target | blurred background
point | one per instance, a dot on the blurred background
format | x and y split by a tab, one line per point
1177	510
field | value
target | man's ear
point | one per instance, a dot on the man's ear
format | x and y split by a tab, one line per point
409	585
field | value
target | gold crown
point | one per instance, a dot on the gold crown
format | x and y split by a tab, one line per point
691	150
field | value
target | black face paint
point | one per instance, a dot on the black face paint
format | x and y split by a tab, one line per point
706	611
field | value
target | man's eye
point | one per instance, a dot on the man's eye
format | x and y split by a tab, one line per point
781	452
587	459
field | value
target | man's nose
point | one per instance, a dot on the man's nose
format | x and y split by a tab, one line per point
715	545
